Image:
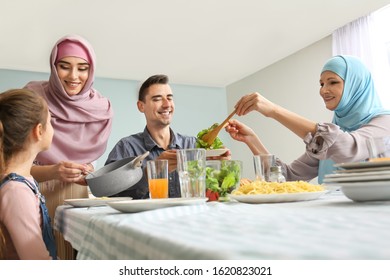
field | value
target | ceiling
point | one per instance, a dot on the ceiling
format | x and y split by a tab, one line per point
195	42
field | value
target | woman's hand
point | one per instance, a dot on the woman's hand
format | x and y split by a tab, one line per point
254	102
72	172
294	122
243	133
88	169
239	131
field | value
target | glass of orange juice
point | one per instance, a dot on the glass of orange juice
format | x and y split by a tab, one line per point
157	178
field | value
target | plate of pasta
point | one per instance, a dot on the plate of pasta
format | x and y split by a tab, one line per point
272	192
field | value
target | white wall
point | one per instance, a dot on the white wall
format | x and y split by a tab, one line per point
291	83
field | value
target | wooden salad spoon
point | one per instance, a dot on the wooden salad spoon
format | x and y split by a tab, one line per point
210	136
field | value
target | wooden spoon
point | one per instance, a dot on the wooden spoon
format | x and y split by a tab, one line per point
210	136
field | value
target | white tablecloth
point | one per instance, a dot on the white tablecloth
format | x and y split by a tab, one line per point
332	227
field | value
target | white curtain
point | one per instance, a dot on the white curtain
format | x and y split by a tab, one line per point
366	38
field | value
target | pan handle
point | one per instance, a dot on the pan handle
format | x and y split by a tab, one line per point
137	162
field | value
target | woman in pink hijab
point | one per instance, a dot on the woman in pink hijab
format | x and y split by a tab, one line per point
82	120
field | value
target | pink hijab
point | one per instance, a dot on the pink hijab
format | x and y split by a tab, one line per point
82	123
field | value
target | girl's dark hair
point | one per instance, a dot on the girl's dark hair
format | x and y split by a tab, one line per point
20	111
156	79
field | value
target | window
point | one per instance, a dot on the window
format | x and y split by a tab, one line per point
383	20
369	39
381	73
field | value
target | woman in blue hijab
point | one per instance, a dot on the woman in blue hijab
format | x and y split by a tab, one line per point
348	90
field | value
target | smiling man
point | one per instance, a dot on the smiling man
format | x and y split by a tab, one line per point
155	101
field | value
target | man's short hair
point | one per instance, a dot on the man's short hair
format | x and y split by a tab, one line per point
155	79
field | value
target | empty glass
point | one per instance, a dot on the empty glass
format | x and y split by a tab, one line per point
262	164
191	167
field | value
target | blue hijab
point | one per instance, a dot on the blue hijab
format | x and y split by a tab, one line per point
359	102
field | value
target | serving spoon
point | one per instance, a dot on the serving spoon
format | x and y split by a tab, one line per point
210	136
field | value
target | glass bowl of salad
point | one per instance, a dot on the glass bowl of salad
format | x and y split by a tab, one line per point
222	177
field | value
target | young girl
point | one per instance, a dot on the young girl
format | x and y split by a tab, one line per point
25	130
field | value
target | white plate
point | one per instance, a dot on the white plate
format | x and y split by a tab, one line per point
89	202
362	170
354	177
364	164
140	205
216	152
367	191
368	172
272	198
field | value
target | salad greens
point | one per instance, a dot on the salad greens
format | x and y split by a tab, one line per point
195	168
217	144
225	179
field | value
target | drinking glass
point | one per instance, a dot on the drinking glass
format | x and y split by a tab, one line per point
262	164
157	178
191	167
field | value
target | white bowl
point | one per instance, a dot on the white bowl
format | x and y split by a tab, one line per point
367	191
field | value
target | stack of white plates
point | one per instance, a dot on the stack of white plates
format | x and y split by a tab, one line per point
362	181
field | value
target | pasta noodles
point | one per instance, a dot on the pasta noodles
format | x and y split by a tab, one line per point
262	187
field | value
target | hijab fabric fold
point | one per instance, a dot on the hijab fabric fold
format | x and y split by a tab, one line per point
82	123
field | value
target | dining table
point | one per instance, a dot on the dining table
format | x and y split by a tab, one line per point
330	227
